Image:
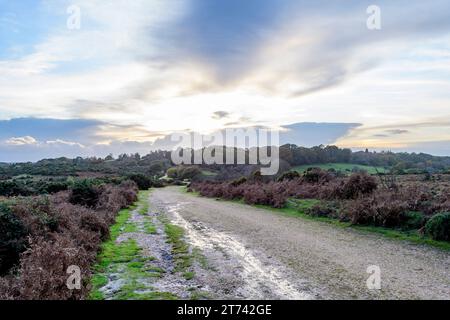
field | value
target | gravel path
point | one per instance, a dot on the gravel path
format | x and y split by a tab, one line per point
257	253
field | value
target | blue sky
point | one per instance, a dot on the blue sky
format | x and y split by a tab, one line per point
138	70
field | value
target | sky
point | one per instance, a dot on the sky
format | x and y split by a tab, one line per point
136	71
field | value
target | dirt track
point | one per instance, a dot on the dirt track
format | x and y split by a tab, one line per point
257	253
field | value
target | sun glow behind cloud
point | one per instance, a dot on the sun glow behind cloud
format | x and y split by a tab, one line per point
148	68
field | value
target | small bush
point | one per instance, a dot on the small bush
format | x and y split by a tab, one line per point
290	175
238	182
53	187
172	172
322	210
143	182
12	239
438	227
316	175
184	172
84	193
359	184
413	220
92	222
380	210
189	172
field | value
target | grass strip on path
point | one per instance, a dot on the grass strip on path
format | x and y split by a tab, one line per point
126	260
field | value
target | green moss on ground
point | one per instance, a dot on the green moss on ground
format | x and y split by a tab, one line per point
126	258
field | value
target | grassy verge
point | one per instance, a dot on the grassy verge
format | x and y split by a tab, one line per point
125	258
180	249
149	227
143	201
411	235
299	211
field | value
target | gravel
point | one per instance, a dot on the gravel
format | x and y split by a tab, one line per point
257	253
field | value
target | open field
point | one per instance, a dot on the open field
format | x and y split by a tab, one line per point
346	168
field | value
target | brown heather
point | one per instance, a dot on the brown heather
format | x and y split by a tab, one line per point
61	234
359	199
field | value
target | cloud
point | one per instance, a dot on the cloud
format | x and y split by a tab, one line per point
20	141
428	133
43	138
164	50
50	129
218	115
146	68
397	131
62	142
322	45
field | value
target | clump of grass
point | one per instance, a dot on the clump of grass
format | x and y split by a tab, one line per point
302	205
179	248
143	202
201	259
98	281
153	295
129	228
114	253
189	275
199	295
149	227
122	218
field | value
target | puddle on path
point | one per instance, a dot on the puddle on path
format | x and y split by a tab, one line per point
258	279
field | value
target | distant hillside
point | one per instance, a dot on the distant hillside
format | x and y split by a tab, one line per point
156	163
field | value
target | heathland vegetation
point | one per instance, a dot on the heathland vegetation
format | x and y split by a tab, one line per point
418	205
57	212
41	236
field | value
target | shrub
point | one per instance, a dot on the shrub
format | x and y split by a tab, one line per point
438	227
238	182
316	175
44	271
290	175
12	188
12	239
358	211
413	220
381	210
53	187
84	193
189	172
92	222
35	213
74	240
358	184
172	172
182	172
322	210
143	182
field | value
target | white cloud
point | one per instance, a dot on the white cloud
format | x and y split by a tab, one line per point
62	142
100	62
20	141
118	68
